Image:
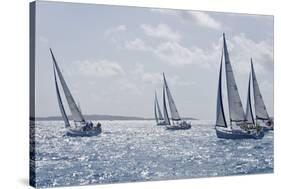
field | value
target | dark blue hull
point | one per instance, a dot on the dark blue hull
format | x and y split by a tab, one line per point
238	134
81	133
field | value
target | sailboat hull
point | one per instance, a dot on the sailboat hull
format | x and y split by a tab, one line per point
239	134
161	123
81	133
182	125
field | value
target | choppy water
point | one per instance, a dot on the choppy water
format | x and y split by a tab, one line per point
140	151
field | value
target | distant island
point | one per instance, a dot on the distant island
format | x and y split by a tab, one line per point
99	117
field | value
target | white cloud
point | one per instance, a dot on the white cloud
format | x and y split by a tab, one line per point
201	18
120	28
205	20
174	53
241	49
136	44
101	68
153	78
161	31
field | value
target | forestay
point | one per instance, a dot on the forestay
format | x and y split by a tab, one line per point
76	114
260	109
174	112
236	111
220	121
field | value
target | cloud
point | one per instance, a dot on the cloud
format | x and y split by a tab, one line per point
241	49
156	78
161	31
120	28
174	53
136	44
101	68
153	78
201	18
205	20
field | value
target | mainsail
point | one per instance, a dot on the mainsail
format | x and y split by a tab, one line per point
236	112
220	121
157	109
76	114
260	109
249	112
62	110
174	112
166	116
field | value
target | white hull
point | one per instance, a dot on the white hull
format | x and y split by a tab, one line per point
79	132
181	125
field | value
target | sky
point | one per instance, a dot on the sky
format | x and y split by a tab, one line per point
112	57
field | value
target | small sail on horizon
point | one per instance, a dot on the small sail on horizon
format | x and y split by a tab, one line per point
62	110
249	112
166	115
173	109
260	108
236	111
76	114
220	118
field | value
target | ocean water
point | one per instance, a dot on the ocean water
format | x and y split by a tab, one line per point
129	151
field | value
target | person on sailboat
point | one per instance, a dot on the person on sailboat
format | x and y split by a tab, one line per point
88	126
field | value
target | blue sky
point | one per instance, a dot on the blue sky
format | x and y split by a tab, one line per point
112	57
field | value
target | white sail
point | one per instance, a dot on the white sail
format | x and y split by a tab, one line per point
62	110
166	116
236	112
174	112
249	112
160	116
155	110
260	109
76	114
220	121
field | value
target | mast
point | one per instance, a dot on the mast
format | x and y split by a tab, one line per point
260	109
76	114
174	112
166	115
220	117
62	110
249	112
236	111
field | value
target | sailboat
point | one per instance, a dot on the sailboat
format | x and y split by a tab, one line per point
262	117
157	112
82	127
177	122
238	127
